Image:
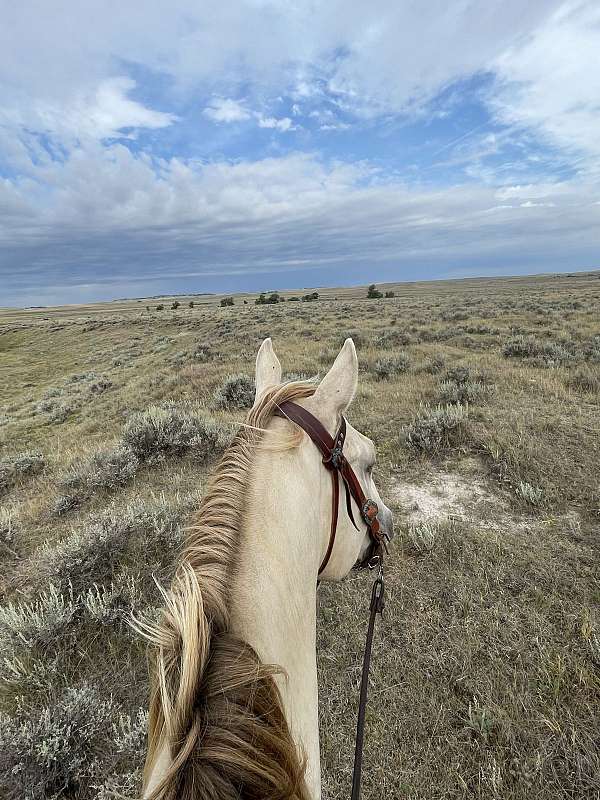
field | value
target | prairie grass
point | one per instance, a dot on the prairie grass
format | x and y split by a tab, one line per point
485	677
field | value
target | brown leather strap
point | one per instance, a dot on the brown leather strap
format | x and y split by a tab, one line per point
335	502
333	459
377	604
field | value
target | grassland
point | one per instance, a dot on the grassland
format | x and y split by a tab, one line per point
482	397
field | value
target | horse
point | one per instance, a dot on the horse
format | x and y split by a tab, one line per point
234	697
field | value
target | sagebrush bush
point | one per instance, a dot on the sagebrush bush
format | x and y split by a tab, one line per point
105	469
108	604
391	365
8	525
65	749
39	622
394	338
539	353
423	536
173	429
15	467
532	495
91	552
451	392
436	428
237	391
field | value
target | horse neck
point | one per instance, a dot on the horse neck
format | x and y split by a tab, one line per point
273	604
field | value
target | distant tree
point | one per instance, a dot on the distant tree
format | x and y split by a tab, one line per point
373	293
293	299
191	304
390	294
262	299
175	305
159	307
307	298
226	301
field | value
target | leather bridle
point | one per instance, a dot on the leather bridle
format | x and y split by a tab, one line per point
331	449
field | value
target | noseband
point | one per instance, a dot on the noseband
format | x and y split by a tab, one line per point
334	460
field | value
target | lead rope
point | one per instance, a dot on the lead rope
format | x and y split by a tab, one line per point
377	606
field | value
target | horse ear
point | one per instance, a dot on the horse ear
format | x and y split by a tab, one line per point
337	389
268	368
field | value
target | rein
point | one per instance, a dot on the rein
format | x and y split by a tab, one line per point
331	448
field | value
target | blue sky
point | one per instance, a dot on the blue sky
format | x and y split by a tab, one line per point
170	147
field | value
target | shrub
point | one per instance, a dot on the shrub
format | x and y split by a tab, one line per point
106	469
273	298
172	429
434	366
175	305
391	365
15	467
530	494
191	304
394	338
390	294
8	526
63	749
202	353
293	299
539	353
308	298
39	622
373	293
226	301
435	429
423	536
160	307
101	385
463	392
109	604
237	391
91	552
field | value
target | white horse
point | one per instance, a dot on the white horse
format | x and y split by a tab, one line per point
234	705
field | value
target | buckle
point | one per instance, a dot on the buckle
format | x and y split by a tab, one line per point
370	510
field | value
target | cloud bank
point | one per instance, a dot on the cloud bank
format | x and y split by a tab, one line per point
166	149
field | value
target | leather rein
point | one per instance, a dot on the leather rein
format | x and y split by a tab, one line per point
331	449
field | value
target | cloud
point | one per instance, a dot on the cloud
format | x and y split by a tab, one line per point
107	170
151	223
281	124
222	109
549	81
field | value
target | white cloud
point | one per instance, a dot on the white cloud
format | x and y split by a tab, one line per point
550	80
270	215
223	109
281	124
105	112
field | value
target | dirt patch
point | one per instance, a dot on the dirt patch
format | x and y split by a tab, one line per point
447	495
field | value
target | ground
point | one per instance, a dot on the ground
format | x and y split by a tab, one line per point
482	399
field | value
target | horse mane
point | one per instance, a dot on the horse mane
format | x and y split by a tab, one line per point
212	702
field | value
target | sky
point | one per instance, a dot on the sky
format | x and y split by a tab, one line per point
171	147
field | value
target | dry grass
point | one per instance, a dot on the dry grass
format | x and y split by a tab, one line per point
486	671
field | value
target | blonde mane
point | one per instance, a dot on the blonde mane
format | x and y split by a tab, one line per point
212	701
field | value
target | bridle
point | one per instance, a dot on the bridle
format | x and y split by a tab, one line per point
331	448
